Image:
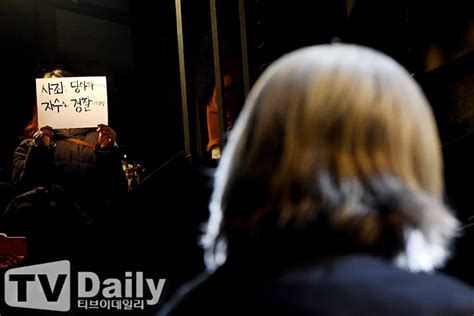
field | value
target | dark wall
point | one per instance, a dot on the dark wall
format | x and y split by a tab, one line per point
154	127
17	61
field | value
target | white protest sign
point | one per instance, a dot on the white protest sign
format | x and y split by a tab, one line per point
72	102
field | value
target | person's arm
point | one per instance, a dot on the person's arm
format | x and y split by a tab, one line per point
109	162
32	163
212	123
109	169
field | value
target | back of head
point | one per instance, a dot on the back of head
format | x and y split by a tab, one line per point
339	142
57	73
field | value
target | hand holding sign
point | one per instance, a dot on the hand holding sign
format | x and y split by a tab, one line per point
43	136
107	136
72	102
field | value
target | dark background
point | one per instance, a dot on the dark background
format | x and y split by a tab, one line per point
134	44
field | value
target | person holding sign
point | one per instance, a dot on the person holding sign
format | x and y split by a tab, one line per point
82	160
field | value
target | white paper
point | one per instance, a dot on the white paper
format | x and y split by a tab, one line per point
72	102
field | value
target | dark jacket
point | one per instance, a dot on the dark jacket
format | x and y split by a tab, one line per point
351	285
90	176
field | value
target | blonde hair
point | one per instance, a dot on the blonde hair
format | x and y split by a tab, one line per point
337	139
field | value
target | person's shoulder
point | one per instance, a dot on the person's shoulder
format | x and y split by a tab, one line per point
220	292
365	283
25	143
187	297
359	284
